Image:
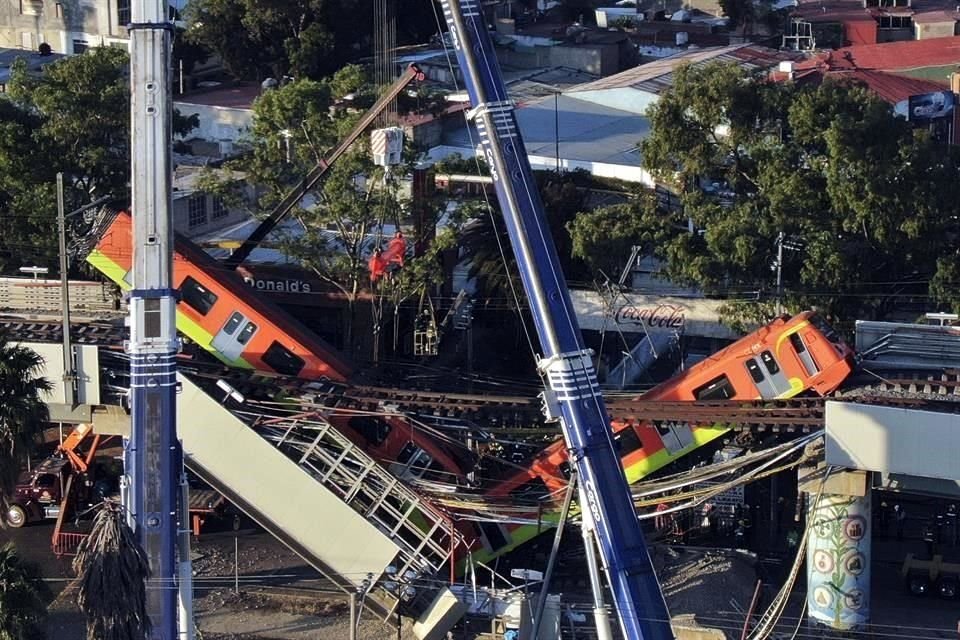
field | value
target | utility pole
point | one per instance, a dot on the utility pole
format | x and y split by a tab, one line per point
780	273
153	456
69	375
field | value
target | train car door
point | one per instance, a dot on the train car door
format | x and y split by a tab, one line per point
770	379
233	337
675	436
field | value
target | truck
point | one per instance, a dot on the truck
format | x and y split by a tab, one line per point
65	478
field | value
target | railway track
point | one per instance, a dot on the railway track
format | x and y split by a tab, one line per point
516	414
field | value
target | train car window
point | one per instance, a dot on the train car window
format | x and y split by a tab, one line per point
494	535
435	472
533	490
420	463
754	370
806	358
197	296
246	333
282	360
770	362
717	389
627	441
232	323
797	343
373	429
825	329
407	452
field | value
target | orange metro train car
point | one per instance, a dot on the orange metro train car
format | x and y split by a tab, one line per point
783	359
220	313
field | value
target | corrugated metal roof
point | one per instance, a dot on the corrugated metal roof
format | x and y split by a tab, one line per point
889	86
934	17
655	77
890	56
588	132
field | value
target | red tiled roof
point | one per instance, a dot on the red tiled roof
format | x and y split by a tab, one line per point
890	56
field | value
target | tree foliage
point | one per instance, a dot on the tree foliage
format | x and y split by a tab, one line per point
257	38
22	606
112	571
487	246
341	220
23	414
867	206
73	118
604	237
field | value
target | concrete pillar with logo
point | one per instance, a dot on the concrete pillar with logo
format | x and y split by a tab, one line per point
838	555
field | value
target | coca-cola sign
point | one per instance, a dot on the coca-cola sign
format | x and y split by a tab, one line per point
661	316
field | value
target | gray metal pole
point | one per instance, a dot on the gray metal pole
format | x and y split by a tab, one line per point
68	373
542	599
779	273
600	615
153	454
353	615
185	565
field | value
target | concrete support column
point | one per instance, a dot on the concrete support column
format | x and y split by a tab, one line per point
838	561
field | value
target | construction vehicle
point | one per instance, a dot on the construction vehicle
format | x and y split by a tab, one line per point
66	478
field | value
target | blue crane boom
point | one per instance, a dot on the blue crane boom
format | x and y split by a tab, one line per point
571	382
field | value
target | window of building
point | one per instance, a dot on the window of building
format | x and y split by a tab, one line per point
896	22
79	46
31	7
282	360
717	389
197	211
197	296
59	9
219	208
123	13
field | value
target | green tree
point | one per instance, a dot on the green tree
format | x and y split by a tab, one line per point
342	217
73	118
22	606
23	414
489	252
112	570
255	38
604	237
866	204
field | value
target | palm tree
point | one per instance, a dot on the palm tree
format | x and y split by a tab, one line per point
22	608
23	413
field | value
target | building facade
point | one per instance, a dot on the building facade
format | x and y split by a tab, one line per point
68	26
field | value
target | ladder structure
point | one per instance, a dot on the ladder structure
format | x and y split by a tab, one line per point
321	495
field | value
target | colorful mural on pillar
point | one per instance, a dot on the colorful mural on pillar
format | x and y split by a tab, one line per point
838	561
